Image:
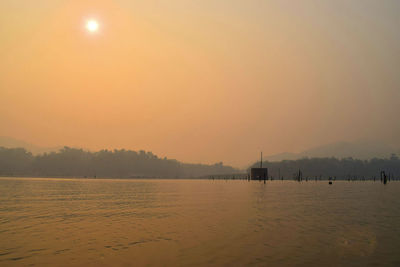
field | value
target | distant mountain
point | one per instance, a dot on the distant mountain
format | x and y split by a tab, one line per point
9	142
72	162
359	150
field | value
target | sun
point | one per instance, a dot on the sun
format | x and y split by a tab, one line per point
92	25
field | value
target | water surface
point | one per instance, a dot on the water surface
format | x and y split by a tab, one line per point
99	222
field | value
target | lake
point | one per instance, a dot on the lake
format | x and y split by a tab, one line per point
104	222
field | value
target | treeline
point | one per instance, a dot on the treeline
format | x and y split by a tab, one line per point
346	168
71	162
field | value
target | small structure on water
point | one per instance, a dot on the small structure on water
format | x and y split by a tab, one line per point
259	173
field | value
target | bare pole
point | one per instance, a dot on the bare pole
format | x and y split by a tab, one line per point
261	161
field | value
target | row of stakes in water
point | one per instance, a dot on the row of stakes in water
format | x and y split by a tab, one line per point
299	177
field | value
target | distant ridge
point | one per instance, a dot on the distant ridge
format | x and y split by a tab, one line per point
359	150
73	162
9	142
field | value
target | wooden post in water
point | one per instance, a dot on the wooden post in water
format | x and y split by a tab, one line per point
383	177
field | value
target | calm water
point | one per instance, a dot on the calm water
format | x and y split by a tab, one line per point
82	222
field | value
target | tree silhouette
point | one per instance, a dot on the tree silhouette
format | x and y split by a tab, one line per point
72	162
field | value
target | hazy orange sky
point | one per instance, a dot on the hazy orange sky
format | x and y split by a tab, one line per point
200	81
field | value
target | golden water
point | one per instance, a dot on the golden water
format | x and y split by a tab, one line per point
98	222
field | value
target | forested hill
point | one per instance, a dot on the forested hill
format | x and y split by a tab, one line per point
332	167
71	162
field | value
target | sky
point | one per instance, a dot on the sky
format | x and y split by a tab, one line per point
200	81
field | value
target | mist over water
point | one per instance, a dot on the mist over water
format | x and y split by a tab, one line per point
89	222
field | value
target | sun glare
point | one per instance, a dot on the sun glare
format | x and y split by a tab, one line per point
92	26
